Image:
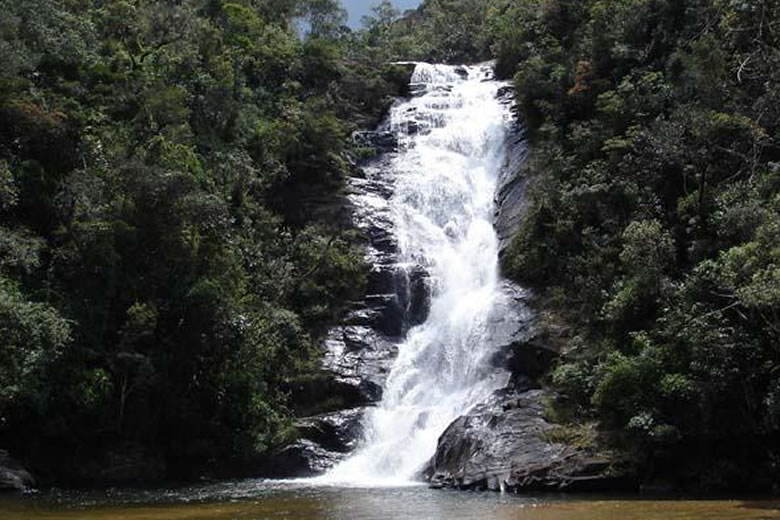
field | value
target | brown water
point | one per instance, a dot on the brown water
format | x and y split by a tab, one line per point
255	500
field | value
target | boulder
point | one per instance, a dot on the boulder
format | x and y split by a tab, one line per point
505	444
303	458
13	476
337	431
324	440
324	392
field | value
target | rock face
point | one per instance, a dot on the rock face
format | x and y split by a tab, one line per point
502	445
325	440
510	197
13	476
511	320
360	357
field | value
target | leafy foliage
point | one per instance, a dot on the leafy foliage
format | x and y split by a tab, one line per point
654	213
165	264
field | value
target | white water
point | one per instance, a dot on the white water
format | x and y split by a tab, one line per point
444	179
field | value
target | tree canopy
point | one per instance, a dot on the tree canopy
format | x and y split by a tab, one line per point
163	270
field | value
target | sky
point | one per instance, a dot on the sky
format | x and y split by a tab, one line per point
359	8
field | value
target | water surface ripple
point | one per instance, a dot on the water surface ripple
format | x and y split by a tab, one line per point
260	500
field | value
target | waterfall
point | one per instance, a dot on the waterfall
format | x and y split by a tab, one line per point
451	136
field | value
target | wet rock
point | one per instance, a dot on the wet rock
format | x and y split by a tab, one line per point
417	89
412	286
358	353
531	358
327	391
303	458
324	441
369	390
13	476
381	140
381	308
383	242
505	93
377	191
521	346
390	318
360	358
336	431
501	445
382	280
510	198
511	319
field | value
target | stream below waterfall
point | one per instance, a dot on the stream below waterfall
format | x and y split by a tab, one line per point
260	500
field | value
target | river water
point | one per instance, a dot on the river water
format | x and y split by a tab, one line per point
260	500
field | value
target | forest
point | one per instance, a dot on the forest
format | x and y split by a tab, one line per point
172	245
166	265
655	221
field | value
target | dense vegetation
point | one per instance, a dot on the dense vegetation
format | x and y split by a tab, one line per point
654	227
656	216
165	261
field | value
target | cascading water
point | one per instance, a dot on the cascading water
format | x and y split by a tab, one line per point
451	138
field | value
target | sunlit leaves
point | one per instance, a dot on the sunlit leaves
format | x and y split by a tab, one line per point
33	336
